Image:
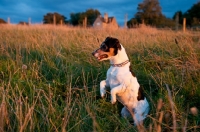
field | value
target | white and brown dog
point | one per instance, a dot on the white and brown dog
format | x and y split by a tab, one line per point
124	86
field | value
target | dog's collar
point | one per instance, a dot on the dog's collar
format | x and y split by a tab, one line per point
121	64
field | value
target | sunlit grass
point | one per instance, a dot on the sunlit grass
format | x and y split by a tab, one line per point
49	80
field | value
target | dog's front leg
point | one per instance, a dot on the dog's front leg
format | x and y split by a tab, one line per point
114	91
103	85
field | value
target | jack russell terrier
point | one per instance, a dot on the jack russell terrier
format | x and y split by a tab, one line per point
123	84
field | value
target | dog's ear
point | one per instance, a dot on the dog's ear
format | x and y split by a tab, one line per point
113	42
107	39
118	44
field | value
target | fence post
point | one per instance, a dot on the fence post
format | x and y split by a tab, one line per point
8	20
61	22
143	22
125	20
29	21
54	19
184	24
177	21
85	22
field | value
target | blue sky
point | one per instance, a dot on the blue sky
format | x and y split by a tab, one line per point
22	10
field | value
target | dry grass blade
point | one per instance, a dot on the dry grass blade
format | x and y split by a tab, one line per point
172	107
159	128
159	115
27	118
68	110
95	124
28	115
3	111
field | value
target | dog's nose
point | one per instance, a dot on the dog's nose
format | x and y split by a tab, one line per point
93	53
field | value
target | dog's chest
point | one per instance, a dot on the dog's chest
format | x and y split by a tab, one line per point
116	76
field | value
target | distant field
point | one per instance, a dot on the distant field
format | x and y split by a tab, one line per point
49	81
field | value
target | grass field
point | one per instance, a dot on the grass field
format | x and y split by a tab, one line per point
49	81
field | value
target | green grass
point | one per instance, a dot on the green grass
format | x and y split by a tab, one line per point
49	81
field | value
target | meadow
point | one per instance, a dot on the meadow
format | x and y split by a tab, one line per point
49	81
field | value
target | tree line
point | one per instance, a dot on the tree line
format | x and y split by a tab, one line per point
76	19
148	12
192	15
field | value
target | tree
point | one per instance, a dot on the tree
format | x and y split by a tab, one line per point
49	18
180	16
132	23
2	21
193	15
149	11
90	14
75	19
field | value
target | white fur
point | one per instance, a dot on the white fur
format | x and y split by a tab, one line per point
124	88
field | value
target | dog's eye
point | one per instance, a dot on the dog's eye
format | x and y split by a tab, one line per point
104	47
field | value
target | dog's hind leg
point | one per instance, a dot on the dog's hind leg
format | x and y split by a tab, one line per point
128	111
125	113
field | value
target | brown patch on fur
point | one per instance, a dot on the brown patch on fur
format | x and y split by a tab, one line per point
140	90
111	52
140	94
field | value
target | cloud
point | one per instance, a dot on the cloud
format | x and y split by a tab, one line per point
23	8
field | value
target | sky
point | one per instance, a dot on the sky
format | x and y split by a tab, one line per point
23	10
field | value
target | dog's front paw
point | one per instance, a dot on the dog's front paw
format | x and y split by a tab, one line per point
113	100
102	92
103	88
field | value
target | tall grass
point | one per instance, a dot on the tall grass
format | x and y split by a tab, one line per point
49	80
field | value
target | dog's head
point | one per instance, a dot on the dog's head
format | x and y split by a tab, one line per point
107	49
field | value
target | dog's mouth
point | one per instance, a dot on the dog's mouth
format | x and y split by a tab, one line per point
100	55
99	58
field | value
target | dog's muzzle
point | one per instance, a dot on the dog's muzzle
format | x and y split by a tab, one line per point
93	53
99	56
